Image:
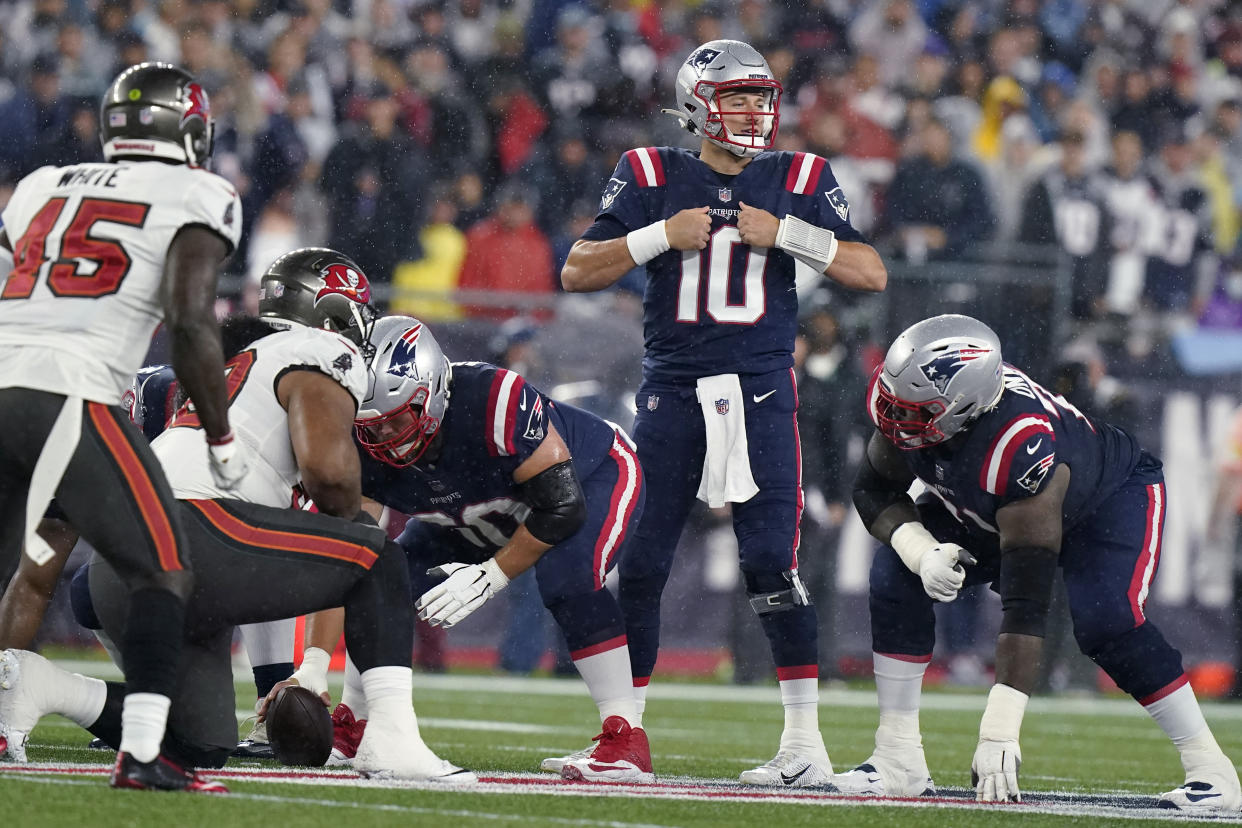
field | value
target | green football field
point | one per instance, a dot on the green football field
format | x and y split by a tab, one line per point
1086	762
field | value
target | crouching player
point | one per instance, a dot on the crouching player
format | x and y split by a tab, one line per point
499	478
1019	482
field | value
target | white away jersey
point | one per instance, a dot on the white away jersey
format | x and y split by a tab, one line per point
79	307
257	418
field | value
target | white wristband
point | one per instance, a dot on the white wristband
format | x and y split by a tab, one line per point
815	247
648	242
1002	718
499	580
911	541
314	667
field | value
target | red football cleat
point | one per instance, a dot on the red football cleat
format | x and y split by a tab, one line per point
161	774
621	754
346	734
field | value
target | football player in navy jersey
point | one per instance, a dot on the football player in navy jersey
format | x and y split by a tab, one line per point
1017	482
721	232
498	478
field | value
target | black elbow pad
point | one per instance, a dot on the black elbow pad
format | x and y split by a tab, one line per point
557	505
1026	574
873	492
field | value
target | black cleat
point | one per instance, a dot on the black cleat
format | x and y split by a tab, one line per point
250	749
162	774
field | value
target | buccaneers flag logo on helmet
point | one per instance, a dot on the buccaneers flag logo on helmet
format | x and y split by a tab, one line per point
343	280
200	106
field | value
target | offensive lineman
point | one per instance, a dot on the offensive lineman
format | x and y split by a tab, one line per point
96	250
1018	482
720	232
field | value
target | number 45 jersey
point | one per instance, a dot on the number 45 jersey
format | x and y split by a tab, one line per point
730	308
89	242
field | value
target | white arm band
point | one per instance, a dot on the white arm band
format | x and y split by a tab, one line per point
814	246
1002	718
313	672
648	242
911	541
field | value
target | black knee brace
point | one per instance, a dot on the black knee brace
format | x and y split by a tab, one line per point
775	591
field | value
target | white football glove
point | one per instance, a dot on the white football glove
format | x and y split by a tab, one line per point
228	461
467	587
994	770
942	572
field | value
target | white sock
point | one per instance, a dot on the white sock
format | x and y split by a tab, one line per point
898	733
143	719
389	693
898	683
800	698
640	700
269	642
353	696
1178	714
607	676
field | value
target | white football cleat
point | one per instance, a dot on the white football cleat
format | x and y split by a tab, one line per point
621	754
1211	792
395	750
23	678
887	776
792	768
553	764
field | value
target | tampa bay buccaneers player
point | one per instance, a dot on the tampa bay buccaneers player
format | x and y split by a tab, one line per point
100	253
1018	482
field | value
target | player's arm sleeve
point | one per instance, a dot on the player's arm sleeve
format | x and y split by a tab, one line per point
1030	530
881	488
211	202
621	207
822	202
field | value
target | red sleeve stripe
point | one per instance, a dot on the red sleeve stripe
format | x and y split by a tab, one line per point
1149	557
994	476
648	169
804	173
801	671
502	403
621	508
253	536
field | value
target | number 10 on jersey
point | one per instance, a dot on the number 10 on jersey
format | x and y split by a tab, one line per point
717	260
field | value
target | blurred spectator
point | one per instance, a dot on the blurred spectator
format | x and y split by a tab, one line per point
78	141
163	32
1067	206
1022	158
471	26
424	288
507	253
1056	88
570	78
562	173
1182	249
84	61
274	232
373	181
892	32
516	122
1134	112
937	205
35	116
1132	207
1003	98
458	132
860	179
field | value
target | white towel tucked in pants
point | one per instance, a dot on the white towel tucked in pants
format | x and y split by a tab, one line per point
726	463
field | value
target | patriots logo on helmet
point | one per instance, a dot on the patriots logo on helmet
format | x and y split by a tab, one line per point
199	106
614	188
941	370
703	58
402	362
343	280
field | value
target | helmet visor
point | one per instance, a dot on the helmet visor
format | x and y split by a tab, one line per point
399	437
909	425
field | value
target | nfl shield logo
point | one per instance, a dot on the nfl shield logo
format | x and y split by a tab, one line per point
653	402
722	406
725	194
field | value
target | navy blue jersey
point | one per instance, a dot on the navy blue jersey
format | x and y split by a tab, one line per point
494	422
151	399
1010	452
729	308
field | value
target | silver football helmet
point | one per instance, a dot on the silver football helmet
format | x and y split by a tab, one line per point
407	393
937	378
720	66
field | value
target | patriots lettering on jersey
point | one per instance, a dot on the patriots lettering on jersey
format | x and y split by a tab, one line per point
941	370
837	199
1033	477
614	188
1010	448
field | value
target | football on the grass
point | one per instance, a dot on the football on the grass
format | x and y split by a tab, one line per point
299	727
